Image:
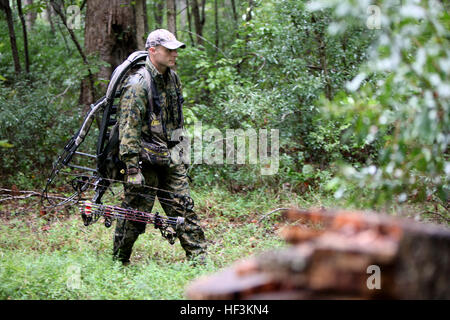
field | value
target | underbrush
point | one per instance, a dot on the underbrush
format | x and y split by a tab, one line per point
54	256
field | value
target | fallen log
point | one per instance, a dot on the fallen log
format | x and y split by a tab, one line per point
340	254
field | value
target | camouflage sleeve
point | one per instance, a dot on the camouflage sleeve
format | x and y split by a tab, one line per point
131	117
180	87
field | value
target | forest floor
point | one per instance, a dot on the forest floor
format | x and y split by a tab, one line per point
54	256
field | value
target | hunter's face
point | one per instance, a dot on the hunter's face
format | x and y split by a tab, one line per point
163	57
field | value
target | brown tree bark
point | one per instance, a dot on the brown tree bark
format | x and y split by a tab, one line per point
180	5
188	13
158	13
31	15
216	23
146	29
233	7
25	36
49	17
110	33
4	5
141	23
199	19
236	20
172	17
323	58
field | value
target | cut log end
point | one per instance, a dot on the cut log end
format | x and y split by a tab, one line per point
355	255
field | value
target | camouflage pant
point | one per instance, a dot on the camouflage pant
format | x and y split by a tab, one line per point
174	180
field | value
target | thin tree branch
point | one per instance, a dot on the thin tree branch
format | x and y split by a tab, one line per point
77	44
25	37
4	5
269	213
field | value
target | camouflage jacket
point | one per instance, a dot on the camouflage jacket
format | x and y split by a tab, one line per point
136	123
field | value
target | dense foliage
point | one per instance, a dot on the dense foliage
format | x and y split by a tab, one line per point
338	91
359	91
401	96
272	76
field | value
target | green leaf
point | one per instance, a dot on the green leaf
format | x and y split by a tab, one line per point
5	144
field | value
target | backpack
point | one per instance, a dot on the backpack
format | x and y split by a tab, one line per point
108	163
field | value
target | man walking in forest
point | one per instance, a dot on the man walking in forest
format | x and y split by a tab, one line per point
150	112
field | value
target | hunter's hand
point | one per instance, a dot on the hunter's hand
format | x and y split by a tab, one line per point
135	177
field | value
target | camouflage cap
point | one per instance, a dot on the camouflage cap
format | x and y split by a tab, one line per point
164	38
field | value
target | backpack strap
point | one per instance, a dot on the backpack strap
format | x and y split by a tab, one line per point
148	79
153	98
180	99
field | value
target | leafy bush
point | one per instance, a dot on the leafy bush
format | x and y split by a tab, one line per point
273	76
407	105
40	110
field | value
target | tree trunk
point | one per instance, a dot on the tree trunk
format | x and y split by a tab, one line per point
110	33
216	23
172	17
199	19
323	58
248	16
49	17
31	15
188	12
4	5
233	7
236	20
141	29
158	13
181	7
25	37
66	44
146	31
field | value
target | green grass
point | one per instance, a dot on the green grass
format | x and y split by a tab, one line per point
40	256
56	257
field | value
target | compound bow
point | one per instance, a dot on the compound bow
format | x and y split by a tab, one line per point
98	177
